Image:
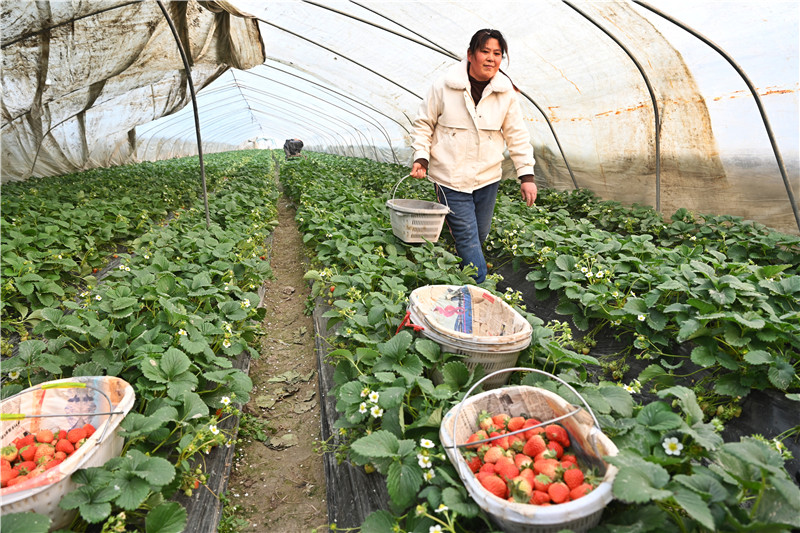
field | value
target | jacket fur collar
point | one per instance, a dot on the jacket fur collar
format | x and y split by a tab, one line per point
456	78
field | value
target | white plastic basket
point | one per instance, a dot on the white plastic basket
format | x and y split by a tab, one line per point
588	442
498	336
416	221
33	408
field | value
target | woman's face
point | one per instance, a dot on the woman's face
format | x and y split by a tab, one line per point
485	63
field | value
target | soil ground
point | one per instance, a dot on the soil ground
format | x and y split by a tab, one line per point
277	481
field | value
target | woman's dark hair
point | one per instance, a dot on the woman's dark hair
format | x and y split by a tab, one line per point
481	36
478	41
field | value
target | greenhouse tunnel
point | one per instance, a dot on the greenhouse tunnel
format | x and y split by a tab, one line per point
641	103
657	274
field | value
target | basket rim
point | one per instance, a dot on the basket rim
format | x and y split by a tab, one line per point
524	335
432	208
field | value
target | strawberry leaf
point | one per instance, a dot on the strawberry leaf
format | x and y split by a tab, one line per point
379	444
638	480
26	522
403	481
169	517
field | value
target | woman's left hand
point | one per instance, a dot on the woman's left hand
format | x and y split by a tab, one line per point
529	192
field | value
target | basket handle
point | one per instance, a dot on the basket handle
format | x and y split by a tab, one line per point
523	369
428	177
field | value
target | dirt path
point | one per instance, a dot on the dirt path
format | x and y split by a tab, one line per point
278	480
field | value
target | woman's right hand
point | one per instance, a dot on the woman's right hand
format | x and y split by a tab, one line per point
418	171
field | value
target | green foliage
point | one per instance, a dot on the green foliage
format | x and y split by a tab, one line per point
610	266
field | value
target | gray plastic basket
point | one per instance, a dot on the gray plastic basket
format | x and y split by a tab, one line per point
416	221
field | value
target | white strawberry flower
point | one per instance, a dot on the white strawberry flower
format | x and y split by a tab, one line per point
672	446
98	297
373	396
225	400
213	428
641	318
424	461
226	343
365	392
182	332
376	411
428	475
426	443
435	529
362	408
442	508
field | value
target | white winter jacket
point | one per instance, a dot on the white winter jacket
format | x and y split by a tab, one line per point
463	143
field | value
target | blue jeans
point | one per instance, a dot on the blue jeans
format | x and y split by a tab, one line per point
470	222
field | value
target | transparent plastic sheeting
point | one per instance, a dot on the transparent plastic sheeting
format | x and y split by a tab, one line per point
79	76
347	77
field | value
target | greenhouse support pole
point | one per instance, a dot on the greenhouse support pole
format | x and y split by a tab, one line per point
652	98
753	91
194	106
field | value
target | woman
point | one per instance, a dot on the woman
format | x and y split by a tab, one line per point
463	125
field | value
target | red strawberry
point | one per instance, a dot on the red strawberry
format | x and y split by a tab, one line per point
528	474
573	477
28	452
487	468
557	433
539	497
569	458
523	461
51	463
502	441
80	443
516	442
44	436
506	468
60	455
514	423
62	434
74	435
4	464
64	445
495	485
521	489
541	482
530	433
556	447
16	480
581	490
25	467
500	420
477	436
559	492
493	454
24	441
9	453
44	450
534	446
549	467
485	421
473	461
6	475
89	430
